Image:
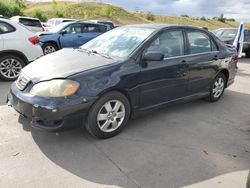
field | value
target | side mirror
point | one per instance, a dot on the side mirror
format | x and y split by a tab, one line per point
64	32
153	56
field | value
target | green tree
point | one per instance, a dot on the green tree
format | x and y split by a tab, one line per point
150	16
37	13
10	9
185	15
203	18
221	18
107	11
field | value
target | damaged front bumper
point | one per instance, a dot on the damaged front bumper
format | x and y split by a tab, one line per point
50	114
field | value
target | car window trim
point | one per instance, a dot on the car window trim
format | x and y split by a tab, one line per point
14	29
188	55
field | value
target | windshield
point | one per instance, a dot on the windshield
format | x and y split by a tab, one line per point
120	42
59	27
225	33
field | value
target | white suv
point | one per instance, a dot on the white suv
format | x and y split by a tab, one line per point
18	47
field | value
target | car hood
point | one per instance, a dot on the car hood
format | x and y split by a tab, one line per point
63	63
228	40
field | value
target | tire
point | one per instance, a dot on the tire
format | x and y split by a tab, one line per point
49	48
248	53
219	83
248	181
10	67
104	120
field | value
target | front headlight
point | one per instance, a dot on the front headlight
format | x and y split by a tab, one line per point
55	88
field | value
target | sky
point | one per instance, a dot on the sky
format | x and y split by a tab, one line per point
238	9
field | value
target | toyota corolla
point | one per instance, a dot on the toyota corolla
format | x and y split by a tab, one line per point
122	74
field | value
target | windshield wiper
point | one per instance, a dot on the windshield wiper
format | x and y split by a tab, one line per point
95	52
101	54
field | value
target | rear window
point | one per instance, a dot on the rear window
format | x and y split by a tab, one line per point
30	22
6	28
94	29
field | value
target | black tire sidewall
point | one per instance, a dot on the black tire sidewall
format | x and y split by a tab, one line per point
49	44
91	124
2	77
211	96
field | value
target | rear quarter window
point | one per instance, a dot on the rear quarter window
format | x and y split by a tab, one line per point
30	22
6	28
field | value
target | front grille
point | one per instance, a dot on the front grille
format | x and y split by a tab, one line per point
22	82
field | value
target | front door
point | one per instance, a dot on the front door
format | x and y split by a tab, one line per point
69	37
166	80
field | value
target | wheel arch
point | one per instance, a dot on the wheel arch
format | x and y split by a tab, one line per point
15	53
53	42
123	92
226	73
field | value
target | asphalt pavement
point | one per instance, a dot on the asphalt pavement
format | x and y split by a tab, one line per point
196	144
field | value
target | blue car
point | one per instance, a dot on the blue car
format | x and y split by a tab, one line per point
70	35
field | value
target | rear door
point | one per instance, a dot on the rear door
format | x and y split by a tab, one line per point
70	36
202	56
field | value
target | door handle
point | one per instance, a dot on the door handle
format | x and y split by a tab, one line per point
79	36
216	57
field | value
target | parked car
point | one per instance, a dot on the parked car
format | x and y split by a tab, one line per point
70	35
119	74
18	47
45	26
32	24
56	21
228	35
105	22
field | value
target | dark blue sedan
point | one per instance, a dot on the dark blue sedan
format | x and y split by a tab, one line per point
123	73
70	35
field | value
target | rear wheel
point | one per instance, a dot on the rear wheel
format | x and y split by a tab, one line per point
49	48
217	88
10	67
248	53
109	115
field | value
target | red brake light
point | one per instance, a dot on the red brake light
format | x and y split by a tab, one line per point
34	40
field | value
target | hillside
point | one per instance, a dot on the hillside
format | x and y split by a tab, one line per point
120	16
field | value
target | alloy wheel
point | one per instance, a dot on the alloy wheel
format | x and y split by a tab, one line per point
218	87
111	116
10	68
49	49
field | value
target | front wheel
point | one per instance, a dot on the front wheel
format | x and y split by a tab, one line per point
49	48
217	88
108	116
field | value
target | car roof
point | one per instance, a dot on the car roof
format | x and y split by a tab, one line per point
231	29
25	17
163	26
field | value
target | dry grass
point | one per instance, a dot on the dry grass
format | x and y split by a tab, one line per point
120	16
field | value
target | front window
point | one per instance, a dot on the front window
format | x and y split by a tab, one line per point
120	42
170	43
